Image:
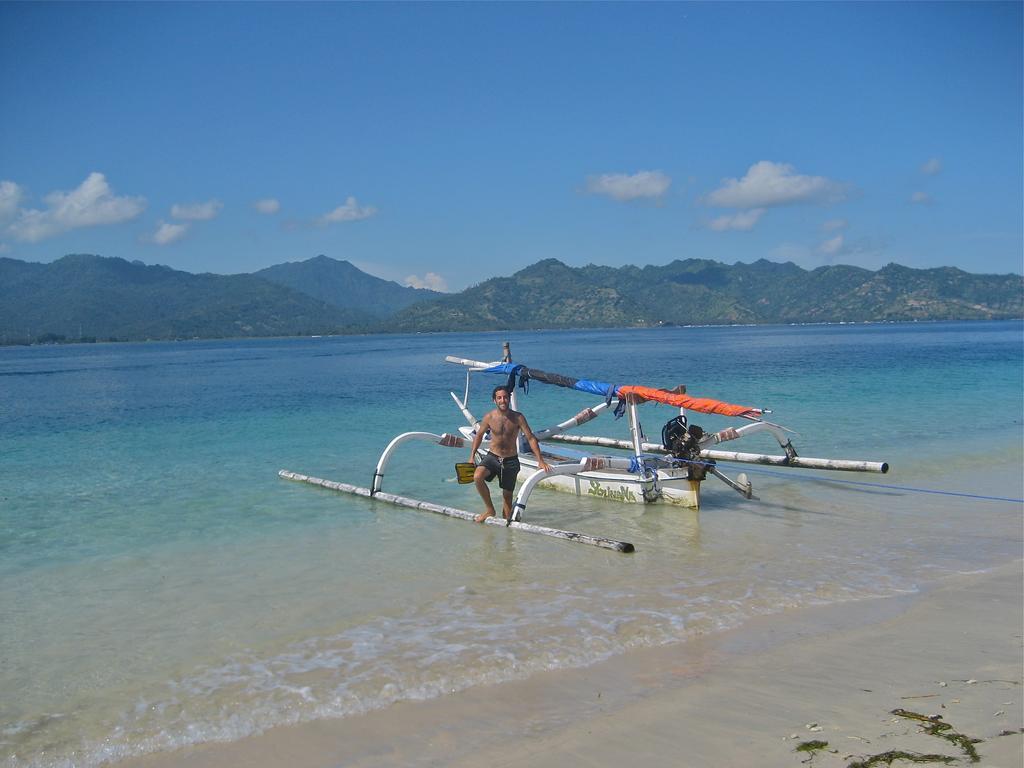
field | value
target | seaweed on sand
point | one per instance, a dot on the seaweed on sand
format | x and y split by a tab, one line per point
936	726
932	725
899	754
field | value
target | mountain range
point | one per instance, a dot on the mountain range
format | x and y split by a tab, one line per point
550	294
87	297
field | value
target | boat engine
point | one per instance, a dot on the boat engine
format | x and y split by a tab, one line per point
682	441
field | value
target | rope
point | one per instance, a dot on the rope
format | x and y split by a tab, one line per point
909	489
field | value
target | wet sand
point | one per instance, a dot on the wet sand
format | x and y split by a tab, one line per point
749	697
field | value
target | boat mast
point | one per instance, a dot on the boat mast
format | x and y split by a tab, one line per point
648	477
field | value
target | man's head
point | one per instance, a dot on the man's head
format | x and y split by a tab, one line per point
501	397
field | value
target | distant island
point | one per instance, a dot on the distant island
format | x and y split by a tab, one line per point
81	298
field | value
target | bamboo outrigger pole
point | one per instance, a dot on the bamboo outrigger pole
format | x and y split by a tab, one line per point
804	462
440	509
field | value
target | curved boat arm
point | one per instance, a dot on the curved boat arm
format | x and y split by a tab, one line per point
587	464
733	433
446	439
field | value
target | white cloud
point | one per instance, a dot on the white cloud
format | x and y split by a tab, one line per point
10	196
742	221
350	211
197	211
921	198
770	184
832	246
839	249
4	248
167	233
91	204
932	167
430	280
267	205
622	187
834	224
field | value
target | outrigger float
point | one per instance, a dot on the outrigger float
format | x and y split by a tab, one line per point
668	472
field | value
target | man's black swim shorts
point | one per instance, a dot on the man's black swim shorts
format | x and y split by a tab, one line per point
506	469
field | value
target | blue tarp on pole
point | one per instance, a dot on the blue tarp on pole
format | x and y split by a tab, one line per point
600	388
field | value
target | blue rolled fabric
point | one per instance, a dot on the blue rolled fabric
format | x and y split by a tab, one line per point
595	387
503	368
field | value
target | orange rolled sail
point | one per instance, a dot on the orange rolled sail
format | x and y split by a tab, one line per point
700	404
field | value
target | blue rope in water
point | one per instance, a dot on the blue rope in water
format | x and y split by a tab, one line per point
789	476
892	487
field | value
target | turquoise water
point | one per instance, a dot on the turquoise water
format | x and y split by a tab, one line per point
160	586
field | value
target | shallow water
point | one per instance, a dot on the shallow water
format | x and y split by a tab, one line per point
159	585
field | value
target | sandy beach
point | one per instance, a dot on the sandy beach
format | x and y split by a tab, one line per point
747	697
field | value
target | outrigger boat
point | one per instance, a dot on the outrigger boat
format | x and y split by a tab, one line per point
669	472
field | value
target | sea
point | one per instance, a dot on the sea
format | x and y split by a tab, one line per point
161	586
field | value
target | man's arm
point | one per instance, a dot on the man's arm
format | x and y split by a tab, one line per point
534	445
478	438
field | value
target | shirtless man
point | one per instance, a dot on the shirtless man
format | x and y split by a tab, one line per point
502	460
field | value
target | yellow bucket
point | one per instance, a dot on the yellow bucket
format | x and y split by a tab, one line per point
464	472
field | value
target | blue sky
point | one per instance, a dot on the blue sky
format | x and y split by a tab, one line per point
444	144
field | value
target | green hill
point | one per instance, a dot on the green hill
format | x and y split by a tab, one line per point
343	285
108	298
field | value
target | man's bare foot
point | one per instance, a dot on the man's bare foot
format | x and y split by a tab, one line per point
483	516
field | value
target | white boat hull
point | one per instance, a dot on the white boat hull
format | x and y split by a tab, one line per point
675	487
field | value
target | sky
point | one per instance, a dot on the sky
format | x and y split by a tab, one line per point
442	144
